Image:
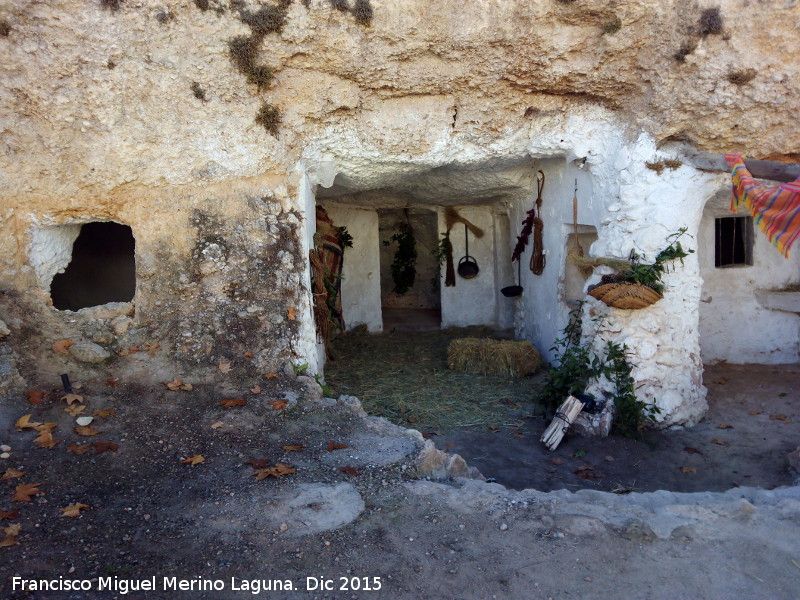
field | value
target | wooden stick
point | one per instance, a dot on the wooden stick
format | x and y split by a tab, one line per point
760	169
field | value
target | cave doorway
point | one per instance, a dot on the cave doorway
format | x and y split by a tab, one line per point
102	268
409	302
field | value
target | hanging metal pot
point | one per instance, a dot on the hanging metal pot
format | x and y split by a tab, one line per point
510	291
467	266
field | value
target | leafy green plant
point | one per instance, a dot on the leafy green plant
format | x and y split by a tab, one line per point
403	267
300	369
578	366
326	389
345	239
612	27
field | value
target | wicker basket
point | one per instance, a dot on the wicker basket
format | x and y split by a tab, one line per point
628	296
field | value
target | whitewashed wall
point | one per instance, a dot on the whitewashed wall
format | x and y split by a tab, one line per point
361	283
734	326
471	301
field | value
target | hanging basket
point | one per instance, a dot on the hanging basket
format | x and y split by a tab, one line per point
629	296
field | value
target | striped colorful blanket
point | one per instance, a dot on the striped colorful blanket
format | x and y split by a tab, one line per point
776	208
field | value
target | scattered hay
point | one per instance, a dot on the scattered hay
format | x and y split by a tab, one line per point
404	377
493	357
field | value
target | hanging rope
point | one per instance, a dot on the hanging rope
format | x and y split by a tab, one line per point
537	256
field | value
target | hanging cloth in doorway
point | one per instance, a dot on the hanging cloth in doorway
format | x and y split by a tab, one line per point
776	208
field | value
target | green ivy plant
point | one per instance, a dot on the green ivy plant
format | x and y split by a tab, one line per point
578	366
403	267
650	274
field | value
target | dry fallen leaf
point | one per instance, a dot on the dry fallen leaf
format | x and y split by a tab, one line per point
85	431
194	459
609	458
11	532
217	425
225	366
9	514
258	463
256	390
112	382
101	446
556	461
151	348
46	427
60	346
291	313
691	450
178	384
24	422
105	413
587	472
75	409
35	396
279	404
755	412
24	492
70	398
45	440
332	446
231	402
778	417
294	447
351	471
689	469
725	426
12	474
79	449
248	354
279	470
73	510
270	375
720	442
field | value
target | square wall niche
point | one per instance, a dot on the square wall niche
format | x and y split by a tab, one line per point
85	264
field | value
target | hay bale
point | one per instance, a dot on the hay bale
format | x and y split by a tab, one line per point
483	356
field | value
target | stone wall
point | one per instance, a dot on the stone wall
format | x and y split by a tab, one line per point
139	116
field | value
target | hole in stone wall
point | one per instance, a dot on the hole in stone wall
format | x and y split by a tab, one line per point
102	268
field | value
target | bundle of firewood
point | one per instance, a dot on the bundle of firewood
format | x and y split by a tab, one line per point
565	415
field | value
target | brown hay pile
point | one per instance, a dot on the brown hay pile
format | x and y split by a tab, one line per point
484	356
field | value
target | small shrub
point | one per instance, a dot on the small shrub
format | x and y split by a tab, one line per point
5	28
340	5
711	22
165	16
203	5
612	27
243	52
111	64
260	75
362	10
269	117
113	5
672	163
198	92
268	19
685	50
657	166
742	76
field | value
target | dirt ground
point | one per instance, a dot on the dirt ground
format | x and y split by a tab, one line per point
401	376
357	515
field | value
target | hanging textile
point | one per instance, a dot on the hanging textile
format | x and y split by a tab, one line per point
326	277
776	208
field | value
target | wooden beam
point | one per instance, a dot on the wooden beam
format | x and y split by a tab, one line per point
760	169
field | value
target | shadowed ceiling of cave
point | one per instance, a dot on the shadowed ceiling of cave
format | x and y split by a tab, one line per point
388	186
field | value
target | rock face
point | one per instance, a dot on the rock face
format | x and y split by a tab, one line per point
143	116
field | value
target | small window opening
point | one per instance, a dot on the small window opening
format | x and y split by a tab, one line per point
102	268
733	241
